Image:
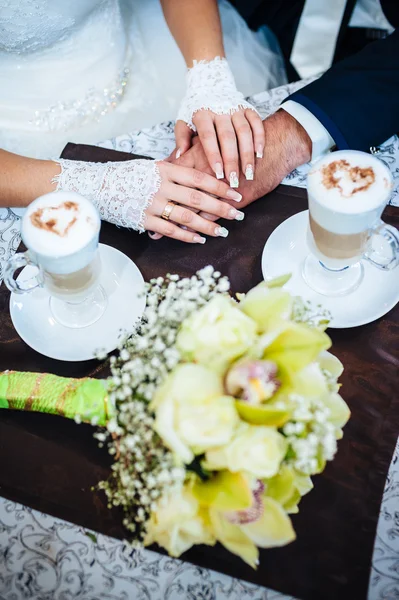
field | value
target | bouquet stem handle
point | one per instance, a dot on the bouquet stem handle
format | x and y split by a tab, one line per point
83	400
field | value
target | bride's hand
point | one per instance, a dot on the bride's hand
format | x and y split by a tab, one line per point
152	195
229	141
228	127
189	190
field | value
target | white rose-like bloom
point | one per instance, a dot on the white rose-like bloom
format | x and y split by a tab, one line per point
192	413
256	450
217	334
178	523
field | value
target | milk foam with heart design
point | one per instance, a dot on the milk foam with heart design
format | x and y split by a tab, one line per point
61	231
348	191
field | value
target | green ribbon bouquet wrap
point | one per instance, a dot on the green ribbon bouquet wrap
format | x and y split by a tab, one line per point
84	399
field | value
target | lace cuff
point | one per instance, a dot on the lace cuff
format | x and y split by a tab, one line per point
211	86
121	191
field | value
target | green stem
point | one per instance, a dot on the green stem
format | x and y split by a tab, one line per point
80	399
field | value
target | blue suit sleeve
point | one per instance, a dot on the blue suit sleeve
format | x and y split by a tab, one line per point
357	100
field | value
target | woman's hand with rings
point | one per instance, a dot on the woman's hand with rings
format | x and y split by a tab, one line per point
184	191
230	142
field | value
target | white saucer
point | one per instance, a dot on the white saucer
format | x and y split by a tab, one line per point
34	323
285	251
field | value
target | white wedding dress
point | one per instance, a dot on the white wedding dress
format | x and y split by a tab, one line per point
88	70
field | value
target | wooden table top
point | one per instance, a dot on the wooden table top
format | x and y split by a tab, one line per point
51	464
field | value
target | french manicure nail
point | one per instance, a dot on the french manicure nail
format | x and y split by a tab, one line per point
259	152
249	173
199	240
233	180
221	232
236	214
178	153
234	195
219	171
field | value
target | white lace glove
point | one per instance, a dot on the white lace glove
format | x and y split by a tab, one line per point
121	191
152	195
229	128
211	86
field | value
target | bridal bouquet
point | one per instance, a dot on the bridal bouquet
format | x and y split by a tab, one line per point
217	413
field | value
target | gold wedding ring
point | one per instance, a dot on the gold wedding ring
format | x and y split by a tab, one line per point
167	211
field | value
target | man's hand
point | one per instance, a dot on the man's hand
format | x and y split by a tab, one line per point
287	146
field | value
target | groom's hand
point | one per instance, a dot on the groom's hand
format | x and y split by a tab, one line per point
193	158
287	146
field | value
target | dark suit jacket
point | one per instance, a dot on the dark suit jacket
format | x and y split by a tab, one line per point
357	100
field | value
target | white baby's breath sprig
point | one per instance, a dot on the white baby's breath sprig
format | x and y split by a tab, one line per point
143	467
310	435
303	311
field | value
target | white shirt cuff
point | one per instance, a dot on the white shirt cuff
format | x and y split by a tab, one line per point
322	142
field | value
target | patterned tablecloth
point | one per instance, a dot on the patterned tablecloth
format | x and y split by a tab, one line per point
44	558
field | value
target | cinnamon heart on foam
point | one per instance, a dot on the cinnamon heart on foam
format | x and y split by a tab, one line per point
56	219
349	180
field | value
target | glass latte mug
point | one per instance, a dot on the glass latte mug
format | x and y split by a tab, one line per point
61	231
347	191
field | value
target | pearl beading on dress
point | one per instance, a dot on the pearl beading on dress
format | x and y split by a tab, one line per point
75	113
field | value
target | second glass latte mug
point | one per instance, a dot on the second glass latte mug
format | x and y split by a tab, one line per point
348	191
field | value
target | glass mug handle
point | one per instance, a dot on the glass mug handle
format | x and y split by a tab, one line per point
386	255
28	285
